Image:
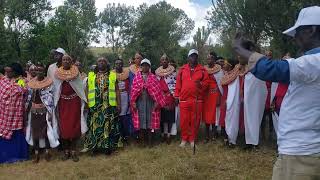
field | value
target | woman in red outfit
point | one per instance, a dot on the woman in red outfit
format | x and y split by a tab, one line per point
69	99
212	98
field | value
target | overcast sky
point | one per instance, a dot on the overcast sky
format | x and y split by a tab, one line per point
195	9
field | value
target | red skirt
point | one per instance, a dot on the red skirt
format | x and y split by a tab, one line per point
209	108
69	113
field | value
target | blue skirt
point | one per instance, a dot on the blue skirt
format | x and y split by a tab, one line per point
15	149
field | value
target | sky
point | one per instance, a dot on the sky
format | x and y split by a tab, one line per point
195	9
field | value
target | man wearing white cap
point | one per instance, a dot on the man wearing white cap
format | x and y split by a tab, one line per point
58	54
192	82
299	120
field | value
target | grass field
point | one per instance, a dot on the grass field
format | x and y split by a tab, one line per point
212	161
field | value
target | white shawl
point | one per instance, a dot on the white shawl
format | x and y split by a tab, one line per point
233	111
255	95
52	129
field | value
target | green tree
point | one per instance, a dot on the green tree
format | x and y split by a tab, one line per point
200	42
117	23
20	17
262	21
158	30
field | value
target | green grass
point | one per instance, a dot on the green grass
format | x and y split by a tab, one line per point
212	161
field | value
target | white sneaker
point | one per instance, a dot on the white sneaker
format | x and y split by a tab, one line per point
84	150
183	144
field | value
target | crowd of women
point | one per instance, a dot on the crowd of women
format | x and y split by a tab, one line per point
59	105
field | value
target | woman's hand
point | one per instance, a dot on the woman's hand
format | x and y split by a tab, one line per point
134	106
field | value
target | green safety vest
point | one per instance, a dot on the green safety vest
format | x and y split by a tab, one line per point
92	89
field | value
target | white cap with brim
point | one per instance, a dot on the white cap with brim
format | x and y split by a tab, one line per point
307	17
193	51
60	50
145	61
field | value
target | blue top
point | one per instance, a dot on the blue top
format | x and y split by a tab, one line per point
275	70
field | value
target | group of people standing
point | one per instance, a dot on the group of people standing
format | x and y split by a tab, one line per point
109	106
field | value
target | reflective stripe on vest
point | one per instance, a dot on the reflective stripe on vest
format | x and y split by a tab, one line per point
112	89
92	89
21	83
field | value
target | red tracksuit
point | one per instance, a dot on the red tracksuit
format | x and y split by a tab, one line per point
191	99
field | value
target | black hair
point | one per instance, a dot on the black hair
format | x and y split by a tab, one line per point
233	62
219	57
17	69
212	53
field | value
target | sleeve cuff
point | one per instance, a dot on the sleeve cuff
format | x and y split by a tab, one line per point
253	59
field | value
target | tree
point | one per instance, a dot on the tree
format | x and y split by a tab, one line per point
117	24
200	42
244	15
158	30
20	17
262	21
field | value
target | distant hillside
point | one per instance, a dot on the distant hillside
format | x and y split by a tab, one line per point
97	51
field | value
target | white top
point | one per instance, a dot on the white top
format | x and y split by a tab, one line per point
299	121
52	70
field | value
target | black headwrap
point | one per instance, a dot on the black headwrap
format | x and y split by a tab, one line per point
17	69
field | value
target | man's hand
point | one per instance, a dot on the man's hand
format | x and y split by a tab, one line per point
243	48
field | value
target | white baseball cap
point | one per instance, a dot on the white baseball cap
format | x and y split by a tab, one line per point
145	61
60	50
193	51
307	17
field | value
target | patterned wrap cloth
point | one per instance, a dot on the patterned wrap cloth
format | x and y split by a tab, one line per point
153	88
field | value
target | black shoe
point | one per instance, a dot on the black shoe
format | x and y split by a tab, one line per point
74	157
36	158
66	156
168	140
47	156
206	141
108	152
163	139
230	145
248	147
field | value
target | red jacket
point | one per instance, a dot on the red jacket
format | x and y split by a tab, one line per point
186	88
280	93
